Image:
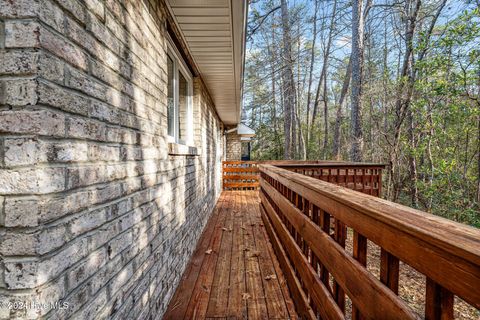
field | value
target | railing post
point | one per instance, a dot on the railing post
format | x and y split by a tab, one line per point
360	254
325	226
340	237
380	183
389	270
438	302
316	219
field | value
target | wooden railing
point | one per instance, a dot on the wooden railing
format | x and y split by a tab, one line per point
307	221
363	177
240	175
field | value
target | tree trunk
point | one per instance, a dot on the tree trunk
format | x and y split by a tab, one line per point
356	153
325	91
325	114
274	103
301	152
343	96
412	160
288	85
430	156
341	102
301	140
310	78
478	141
404	93
322	83
478	161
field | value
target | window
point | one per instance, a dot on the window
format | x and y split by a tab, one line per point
179	102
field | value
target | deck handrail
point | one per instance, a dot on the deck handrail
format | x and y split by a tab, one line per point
298	213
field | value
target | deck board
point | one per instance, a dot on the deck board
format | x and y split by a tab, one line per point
237	306
272	276
257	305
233	273
220	287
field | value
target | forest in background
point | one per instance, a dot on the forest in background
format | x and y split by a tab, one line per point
387	81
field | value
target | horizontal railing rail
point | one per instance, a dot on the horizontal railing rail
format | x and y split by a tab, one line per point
307	221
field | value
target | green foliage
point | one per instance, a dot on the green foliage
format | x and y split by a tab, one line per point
439	131
446	111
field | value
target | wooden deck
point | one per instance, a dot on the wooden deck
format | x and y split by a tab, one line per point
234	273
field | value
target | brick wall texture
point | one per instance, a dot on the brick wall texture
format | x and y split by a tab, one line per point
233	147
94	212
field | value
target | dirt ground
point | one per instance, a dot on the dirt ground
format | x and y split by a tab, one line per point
411	284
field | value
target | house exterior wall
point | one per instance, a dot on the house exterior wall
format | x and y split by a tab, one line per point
95	212
233	147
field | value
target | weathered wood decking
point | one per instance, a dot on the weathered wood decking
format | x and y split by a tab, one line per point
234	273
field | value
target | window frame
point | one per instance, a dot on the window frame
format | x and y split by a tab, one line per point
179	66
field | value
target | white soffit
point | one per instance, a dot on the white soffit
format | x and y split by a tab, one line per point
214	31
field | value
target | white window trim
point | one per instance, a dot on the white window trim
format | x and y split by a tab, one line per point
179	66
